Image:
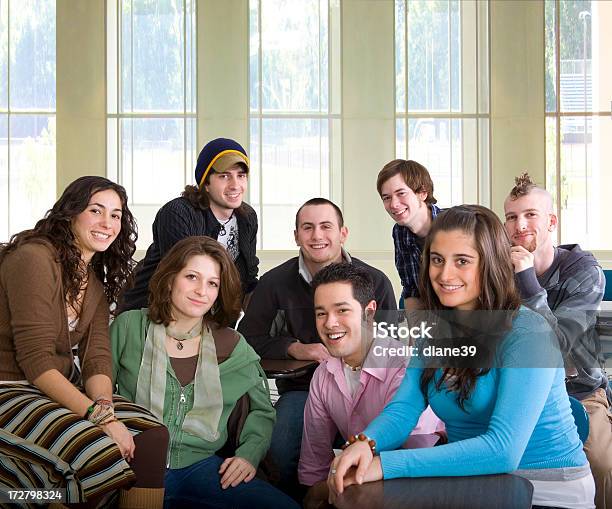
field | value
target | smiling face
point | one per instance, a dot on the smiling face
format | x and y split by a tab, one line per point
339	320
454	269
195	288
530	221
226	190
98	225
402	203
319	236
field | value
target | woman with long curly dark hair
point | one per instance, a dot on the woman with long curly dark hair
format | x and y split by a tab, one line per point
111	264
57	283
506	410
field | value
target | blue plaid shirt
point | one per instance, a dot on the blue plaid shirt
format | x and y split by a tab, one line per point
408	256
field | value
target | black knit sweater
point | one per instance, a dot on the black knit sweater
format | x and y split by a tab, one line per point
179	219
281	311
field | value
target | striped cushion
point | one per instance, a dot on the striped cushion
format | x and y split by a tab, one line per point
45	445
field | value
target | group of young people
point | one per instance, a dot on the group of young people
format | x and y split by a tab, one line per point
170	406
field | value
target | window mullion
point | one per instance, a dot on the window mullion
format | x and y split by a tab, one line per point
558	118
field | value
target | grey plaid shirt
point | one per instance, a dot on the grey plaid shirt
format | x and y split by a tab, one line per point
408	256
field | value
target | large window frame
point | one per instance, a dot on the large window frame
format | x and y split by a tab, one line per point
121	120
563	115
468	115
329	118
22	208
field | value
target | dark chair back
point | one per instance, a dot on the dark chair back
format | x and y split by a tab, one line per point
608	292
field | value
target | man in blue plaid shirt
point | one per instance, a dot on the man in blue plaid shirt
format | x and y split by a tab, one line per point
406	190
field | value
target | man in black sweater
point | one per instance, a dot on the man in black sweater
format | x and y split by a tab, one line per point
213	208
280	323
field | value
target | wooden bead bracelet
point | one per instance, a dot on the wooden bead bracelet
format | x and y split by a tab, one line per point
361	438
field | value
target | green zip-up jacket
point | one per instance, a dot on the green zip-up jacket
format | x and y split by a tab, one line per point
240	373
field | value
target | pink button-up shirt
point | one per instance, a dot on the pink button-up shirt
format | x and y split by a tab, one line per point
331	408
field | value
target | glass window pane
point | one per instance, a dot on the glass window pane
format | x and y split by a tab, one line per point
153	167
575	53
295	164
600	183
323	55
279	226
482	67
254	158
112	139
191	150
4	223
153	46
190	50
255	175
437	144
586	181
551	158
455	55
429	54
3	55
484	156
447	66
254	50
32	169
126	38
153	159
32	55
575	169
400	138
550	55
460	152
290	73
400	56
293	34
601	36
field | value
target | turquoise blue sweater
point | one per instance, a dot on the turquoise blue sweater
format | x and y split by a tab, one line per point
517	417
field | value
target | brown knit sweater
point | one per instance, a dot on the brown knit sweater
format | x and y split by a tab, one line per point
34	335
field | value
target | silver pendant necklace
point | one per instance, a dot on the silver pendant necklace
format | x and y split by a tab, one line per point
179	337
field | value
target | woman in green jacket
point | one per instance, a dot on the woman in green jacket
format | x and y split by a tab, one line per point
179	359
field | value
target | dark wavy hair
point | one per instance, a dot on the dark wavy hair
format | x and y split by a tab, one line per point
225	311
199	198
498	290
112	267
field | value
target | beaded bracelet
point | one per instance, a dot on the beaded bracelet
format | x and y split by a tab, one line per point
100	414
103	401
98	402
361	438
89	410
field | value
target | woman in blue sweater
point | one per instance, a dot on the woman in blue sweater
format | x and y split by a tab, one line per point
507	410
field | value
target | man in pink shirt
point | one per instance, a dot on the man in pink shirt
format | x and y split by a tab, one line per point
351	388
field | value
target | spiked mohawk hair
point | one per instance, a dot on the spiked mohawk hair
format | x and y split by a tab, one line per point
522	185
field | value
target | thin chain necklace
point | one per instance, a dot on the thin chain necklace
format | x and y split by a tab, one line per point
179	337
222	230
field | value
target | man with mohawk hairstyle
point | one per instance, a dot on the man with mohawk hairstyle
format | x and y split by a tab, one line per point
566	285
